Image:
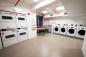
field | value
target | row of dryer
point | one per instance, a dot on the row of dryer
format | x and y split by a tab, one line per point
13	28
75	30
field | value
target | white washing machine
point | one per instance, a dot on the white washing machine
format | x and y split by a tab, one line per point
72	30
9	37
21	21
22	34
56	28
63	29
81	31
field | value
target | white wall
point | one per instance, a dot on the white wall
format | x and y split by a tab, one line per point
20	8
67	20
75	7
31	24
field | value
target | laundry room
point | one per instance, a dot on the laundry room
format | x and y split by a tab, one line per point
42	28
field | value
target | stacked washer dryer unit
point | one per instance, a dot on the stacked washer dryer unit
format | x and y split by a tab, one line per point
13	28
8	28
81	31
63	29
72	28
21	24
56	28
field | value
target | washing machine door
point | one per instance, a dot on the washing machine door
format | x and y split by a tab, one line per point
81	32
62	29
56	28
71	31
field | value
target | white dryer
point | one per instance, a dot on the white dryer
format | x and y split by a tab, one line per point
81	31
22	34
63	29
56	28
72	30
9	37
21	21
7	20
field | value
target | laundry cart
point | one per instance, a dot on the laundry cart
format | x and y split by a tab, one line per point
22	34
9	37
21	21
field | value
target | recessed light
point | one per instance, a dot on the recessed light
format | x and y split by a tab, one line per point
60	8
44	11
36	0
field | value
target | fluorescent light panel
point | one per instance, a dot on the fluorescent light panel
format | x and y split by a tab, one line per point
60	8
44	11
44	3
36	0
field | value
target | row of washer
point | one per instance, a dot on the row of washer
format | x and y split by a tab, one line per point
70	30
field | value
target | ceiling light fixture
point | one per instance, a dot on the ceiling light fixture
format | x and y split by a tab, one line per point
60	8
36	0
44	11
44	3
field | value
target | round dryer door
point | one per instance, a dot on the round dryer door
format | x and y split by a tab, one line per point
71	31
81	32
62	29
56	29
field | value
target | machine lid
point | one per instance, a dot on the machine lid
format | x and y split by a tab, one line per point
62	29
81	32
71	31
56	28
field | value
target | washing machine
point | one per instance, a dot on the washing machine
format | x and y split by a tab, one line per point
63	29
22	34
56	28
81	31
72	30
21	21
9	37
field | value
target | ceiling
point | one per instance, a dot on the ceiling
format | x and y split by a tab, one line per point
50	8
32	2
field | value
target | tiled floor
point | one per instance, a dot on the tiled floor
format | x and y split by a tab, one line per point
49	45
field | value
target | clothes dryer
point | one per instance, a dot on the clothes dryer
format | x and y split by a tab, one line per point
9	37
22	34
21	21
7	20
